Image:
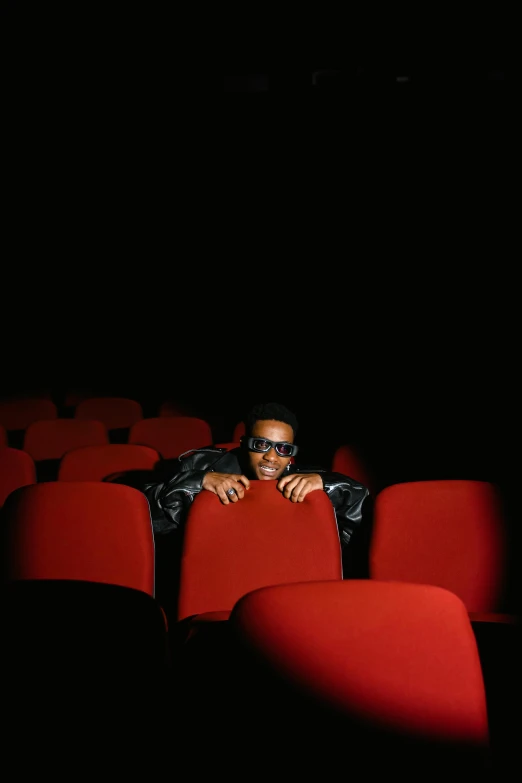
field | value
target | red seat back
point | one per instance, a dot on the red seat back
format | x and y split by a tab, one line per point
73	396
88	649
239	431
19	414
449	533
172	435
348	461
17	469
395	659
262	539
114	412
173	408
49	440
4	441
95	463
91	531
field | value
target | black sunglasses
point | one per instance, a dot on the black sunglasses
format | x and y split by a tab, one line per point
263	445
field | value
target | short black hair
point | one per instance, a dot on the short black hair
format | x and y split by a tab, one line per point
270	411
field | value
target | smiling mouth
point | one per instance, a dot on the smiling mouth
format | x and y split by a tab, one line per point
267	469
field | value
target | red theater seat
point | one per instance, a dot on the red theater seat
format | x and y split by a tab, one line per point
171	435
17	469
85	660
20	413
378	675
451	533
348	461
114	412
262	539
91	531
96	463
49	440
239	431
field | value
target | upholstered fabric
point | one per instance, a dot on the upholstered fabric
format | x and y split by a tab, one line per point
230	550
17	469
94	463
449	533
392	656
171	435
347	460
49	440
84	530
18	414
114	412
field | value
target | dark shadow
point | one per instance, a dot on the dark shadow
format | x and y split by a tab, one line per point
47	469
283	726
15	438
88	665
500	650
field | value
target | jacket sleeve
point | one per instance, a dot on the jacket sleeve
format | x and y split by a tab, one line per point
348	498
169	500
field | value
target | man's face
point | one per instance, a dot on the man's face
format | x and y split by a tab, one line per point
269	465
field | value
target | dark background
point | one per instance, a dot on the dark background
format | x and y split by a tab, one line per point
354	257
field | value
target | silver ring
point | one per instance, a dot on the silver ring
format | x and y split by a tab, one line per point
231	491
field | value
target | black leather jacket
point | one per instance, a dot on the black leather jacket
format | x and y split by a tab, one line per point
169	500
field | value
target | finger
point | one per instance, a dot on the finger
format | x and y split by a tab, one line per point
233	494
239	491
283	482
299	492
303	493
244	481
289	487
222	495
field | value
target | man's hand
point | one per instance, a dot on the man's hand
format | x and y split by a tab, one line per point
297	486
220	483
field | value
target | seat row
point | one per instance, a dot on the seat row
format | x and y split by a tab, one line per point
265	621
450	533
114	412
70	449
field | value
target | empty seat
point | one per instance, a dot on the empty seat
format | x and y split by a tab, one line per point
20	413
227	551
173	408
17	469
114	412
84	530
347	460
83	657
239	431
74	396
451	533
3	436
49	440
362	672
171	435
96	463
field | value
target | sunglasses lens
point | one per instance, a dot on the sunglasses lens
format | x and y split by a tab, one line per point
264	445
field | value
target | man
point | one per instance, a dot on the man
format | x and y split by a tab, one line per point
266	453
